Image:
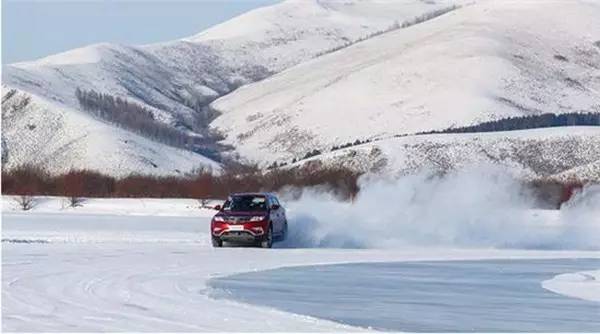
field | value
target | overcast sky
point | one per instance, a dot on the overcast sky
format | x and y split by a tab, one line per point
32	29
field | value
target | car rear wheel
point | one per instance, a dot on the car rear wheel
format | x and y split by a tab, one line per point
283	235
285	231
217	242
267	242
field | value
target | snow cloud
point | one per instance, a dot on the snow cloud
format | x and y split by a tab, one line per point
474	207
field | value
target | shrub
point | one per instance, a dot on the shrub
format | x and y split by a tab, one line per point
25	202
29	181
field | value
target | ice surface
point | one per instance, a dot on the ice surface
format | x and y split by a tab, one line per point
455	296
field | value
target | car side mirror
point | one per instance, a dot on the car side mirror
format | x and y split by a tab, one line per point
274	207
217	207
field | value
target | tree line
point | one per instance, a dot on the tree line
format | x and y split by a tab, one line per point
33	181
28	181
547	120
133	117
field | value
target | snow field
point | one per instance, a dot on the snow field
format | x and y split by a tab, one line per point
143	264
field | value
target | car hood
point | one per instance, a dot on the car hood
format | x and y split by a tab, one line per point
241	213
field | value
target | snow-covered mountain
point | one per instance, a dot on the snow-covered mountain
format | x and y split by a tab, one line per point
485	61
176	80
35	131
283	80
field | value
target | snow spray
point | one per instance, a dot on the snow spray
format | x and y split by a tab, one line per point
483	207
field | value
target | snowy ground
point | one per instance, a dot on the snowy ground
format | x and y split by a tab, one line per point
96	268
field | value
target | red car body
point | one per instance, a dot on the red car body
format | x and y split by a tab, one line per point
249	218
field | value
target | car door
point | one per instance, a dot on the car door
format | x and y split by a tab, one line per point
282	216
276	216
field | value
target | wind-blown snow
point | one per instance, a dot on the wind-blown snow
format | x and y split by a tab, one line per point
485	61
473	207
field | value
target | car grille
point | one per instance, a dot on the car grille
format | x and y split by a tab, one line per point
236	220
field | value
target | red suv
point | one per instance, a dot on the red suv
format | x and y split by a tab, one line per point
249	218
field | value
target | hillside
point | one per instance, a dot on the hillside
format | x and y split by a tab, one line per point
284	80
41	133
485	61
561	154
176	80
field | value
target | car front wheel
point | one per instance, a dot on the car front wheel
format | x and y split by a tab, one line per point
267	242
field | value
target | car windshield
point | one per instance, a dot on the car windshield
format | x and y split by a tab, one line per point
246	203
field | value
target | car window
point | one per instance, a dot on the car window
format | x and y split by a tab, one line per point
245	203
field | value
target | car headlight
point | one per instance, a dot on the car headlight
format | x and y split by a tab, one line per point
219	219
257	218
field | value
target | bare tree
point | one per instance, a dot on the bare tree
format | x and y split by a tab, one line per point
204	203
75	201
25	202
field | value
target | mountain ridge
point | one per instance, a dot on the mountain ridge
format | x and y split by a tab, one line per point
284	80
176	80
480	63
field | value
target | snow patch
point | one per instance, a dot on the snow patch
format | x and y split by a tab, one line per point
583	285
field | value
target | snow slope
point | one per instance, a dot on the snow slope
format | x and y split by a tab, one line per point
561	153
176	80
484	61
59	138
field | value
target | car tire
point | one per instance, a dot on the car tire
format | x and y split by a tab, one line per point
217	242
284	234
267	242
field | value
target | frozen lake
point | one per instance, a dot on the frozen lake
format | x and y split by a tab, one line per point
487	295
144	265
